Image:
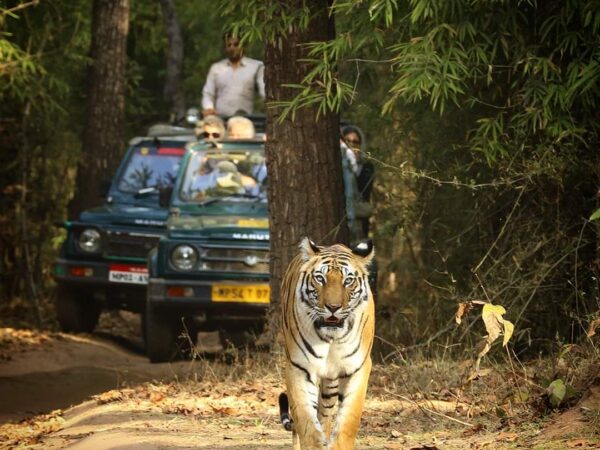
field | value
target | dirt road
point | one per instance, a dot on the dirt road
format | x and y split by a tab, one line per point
100	392
40	372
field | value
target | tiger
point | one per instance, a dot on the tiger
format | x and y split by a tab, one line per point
328	325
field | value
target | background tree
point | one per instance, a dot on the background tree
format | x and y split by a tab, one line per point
306	196
173	90
43	51
104	136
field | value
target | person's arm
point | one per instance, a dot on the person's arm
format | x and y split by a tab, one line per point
260	80
209	93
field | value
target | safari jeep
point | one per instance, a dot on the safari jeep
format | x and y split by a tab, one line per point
213	264
210	271
102	263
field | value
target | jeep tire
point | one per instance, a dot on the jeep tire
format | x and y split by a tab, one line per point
162	332
76	309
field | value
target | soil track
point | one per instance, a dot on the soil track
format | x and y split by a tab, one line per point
67	370
40	372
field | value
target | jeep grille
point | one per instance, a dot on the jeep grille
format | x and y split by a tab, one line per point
223	259
124	245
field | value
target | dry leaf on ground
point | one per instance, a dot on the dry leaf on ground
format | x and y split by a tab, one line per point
581	443
507	437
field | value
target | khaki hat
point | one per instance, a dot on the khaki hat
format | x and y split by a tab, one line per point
227	166
227	181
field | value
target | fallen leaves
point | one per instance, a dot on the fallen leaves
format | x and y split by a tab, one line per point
395	434
582	443
111	396
13	341
29	432
506	436
224	410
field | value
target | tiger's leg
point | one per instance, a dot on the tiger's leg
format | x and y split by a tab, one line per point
295	441
328	396
303	394
352	399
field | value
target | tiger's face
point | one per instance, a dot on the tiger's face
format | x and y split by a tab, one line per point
334	286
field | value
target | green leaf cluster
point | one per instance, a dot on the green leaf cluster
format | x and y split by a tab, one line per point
531	70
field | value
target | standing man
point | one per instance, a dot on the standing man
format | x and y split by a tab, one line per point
232	82
364	171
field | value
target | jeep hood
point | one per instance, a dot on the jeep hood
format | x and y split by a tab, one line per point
219	227
126	215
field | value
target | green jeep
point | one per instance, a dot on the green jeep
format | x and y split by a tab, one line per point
102	263
210	271
213	263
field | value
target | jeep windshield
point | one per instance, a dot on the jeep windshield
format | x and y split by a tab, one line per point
213	176
150	168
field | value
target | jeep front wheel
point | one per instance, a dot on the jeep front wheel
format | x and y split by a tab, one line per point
76	310
161	334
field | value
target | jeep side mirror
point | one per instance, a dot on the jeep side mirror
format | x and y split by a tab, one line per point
164	196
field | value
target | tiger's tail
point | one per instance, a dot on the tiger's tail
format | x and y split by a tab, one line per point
284	412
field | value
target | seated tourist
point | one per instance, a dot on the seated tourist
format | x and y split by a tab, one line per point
239	127
211	128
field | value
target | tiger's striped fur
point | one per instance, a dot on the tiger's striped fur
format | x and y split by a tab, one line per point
328	327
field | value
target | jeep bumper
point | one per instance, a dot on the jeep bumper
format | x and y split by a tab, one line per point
223	297
101	273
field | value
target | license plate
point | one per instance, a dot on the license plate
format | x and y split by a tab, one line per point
128	274
247	293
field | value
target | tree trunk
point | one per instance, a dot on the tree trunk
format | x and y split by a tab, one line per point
306	193
173	92
104	135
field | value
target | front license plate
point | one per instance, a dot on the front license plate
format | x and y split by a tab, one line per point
128	274
247	293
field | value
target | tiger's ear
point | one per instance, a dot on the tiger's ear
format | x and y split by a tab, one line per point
365	250
308	249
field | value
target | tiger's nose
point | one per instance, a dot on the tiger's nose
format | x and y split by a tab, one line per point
333	308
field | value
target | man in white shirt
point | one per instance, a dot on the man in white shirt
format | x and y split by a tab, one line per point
232	82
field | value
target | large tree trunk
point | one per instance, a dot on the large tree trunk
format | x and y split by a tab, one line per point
104	136
173	92
306	194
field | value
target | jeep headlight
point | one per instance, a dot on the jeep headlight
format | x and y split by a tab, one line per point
184	257
89	240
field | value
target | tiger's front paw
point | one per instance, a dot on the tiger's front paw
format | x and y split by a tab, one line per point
341	443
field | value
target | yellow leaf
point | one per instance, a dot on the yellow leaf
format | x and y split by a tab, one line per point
494	309
492	318
494	325
508	332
